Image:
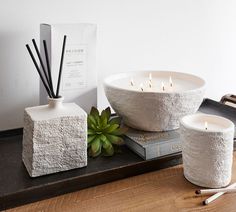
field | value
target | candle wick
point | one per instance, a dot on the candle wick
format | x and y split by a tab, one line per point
150	84
171	83
150	77
163	86
132	82
141	86
206	125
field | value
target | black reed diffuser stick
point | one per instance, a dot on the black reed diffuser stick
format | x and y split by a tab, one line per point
61	65
48	66
47	78
38	69
42	65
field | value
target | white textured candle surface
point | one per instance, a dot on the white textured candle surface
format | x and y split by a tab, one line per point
214	123
207	149
179	82
154	100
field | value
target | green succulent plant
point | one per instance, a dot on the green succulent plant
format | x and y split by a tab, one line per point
104	132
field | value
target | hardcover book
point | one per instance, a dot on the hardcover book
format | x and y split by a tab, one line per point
151	145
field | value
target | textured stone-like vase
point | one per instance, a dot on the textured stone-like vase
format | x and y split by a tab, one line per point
207	153
154	110
55	138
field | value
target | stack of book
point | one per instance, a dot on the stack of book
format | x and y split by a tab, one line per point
151	145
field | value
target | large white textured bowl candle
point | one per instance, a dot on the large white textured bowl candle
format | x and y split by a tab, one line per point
154	100
207	148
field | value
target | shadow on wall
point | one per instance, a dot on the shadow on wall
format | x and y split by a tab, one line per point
18	87
83	98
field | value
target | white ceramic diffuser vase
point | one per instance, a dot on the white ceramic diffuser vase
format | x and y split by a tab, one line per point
55	138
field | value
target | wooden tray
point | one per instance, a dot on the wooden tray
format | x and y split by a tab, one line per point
17	188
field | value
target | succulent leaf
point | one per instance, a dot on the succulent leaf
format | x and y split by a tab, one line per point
91	120
93	126
96	145
102	137
91	132
120	131
103	121
91	138
108	113
116	120
115	139
109	151
106	127
104	115
103	132
92	154
105	143
111	128
94	112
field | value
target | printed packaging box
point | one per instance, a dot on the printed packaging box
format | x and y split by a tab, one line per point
79	77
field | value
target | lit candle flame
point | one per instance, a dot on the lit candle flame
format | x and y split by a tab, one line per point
171	83
150	77
206	125
132	82
163	86
141	86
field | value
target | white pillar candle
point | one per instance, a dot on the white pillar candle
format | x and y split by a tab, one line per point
207	149
154	100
